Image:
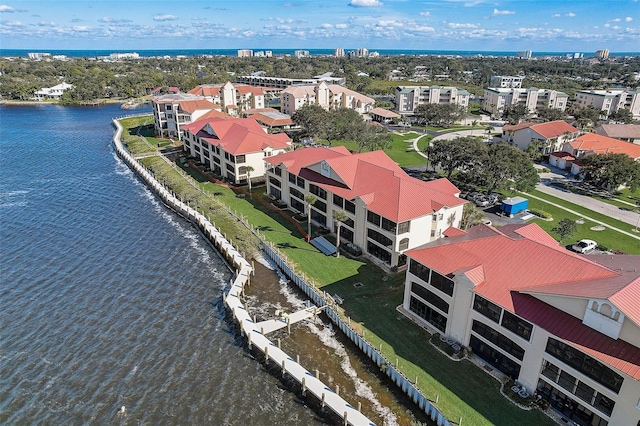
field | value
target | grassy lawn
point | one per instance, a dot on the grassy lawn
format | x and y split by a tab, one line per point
463	390
401	150
608	238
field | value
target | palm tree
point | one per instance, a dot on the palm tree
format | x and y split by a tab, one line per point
489	129
339	216
470	216
310	199
249	170
474	123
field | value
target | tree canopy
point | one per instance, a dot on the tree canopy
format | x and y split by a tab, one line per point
611	171
454	154
439	114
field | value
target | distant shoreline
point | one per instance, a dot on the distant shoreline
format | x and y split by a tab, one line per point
148	53
13	102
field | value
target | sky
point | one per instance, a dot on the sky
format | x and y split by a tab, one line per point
485	25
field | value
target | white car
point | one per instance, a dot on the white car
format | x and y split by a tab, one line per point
584	246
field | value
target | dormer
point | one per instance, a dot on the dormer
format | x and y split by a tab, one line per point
603	316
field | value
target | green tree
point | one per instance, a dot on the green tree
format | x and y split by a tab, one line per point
471	216
587	116
372	137
565	229
611	171
455	154
551	114
339	217
249	170
514	113
504	165
535	150
313	119
310	199
623	115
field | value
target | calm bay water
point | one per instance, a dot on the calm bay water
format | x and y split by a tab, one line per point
109	299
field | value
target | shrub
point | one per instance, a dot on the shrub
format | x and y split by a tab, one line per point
541	214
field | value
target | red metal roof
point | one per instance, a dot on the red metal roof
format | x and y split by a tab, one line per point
619	354
599	144
374	177
237	135
553	129
510	265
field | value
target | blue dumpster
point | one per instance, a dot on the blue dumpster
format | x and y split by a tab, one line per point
514	205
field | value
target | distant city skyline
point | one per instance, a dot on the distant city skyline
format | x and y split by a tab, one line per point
510	25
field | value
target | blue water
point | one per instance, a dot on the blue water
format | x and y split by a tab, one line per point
107	299
276	52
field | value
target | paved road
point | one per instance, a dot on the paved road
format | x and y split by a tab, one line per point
627	216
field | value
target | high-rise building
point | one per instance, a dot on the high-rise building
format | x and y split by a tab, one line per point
245	53
301	54
339	52
602	54
523	54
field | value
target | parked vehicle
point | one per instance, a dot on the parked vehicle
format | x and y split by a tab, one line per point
482	201
584	246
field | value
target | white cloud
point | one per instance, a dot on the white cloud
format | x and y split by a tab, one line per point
82	28
570	14
165	18
5	8
555	15
342	26
365	3
616	20
628	19
456	25
425	13
497	12
326	26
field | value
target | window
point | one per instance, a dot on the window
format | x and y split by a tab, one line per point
419	270
517	325
292	178
378	237
318	218
231	168
277	171
377	251
585	392
349	206
603	404
585	364
486	308
501	341
274	181
242	170
389	225
300	182
373	218
404	227
429	297
338	201
320	205
297	194
275	193
240	158
216	160
494	357
296	205
319	192
550	370
404	244
425	312
442	283
567	381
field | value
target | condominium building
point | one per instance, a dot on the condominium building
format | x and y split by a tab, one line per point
233	148
301	54
496	99
591	144
339	52
552	134
328	96
508	81
172	111
602	54
231	98
283	83
526	54
245	53
388	211
565	326
609	101
409	97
